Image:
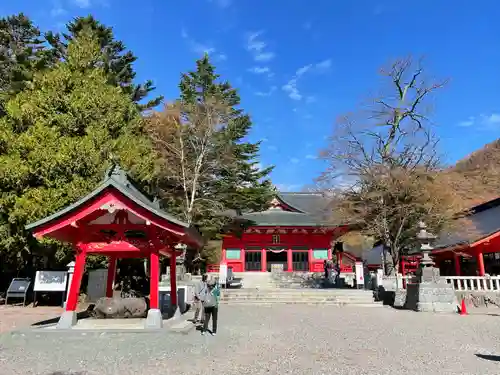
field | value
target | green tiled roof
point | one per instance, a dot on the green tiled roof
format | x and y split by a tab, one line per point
279	217
310	209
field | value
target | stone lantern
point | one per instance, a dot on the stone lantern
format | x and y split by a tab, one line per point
425	240
429	293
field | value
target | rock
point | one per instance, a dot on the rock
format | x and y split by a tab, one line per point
120	308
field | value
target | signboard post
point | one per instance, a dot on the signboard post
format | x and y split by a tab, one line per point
360	282
18	288
50	281
223	274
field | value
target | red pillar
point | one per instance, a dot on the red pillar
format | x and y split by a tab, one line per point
289	260
480	263
329	253
111	276
173	279
457	265
154	276
74	289
263	260
223	259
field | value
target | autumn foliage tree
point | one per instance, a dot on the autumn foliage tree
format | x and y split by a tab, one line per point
384	165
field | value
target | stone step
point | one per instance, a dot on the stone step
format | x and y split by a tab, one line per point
300	302
337	292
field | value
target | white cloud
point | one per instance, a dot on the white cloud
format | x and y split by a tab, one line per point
291	89
221	57
469	122
294	160
491	121
272	89
303	70
82	3
264	56
259	69
325	64
311	157
200	48
57	9
291	86
256	46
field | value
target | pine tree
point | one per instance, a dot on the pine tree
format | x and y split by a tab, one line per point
56	140
117	62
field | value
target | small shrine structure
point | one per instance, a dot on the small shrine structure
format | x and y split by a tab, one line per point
119	221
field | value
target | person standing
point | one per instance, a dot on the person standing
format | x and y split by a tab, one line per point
199	290
210	299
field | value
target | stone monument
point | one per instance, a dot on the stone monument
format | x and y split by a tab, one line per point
429	292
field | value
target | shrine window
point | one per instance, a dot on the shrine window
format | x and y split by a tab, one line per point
276	238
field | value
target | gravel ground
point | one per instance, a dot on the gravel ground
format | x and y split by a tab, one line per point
302	340
16	317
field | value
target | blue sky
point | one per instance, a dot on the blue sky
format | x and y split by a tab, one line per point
300	64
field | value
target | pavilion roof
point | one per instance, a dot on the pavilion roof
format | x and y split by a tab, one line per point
486	221
118	179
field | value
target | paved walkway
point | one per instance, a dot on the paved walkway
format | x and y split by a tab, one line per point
273	340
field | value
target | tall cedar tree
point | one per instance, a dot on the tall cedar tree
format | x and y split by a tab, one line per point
56	141
21	54
117	62
241	185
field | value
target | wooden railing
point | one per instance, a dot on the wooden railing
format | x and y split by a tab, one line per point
343	269
474	283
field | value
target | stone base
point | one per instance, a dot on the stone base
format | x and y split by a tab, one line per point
431	296
177	313
154	320
67	320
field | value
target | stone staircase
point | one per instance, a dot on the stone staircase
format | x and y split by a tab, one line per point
335	297
263	288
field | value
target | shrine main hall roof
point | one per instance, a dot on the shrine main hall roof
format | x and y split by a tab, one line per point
293	209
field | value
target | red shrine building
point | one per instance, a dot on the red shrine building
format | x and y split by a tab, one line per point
117	220
294	234
474	252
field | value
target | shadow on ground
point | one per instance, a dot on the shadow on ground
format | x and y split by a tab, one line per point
81	315
489	357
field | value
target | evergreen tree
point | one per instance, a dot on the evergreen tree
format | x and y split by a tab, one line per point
117	62
238	184
21	54
241	185
56	141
